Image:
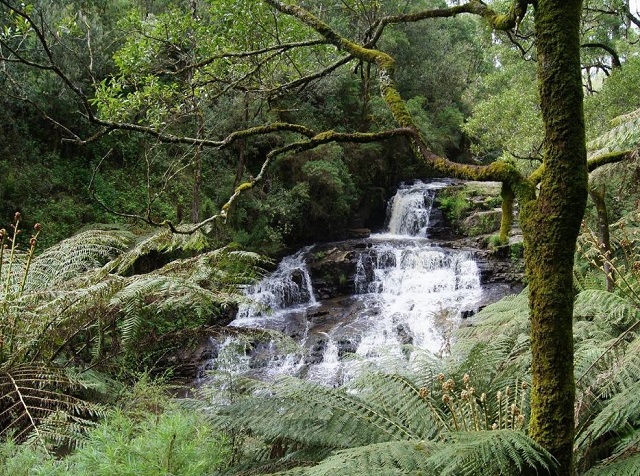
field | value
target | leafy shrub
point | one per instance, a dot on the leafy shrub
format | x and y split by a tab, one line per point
176	442
148	435
453	203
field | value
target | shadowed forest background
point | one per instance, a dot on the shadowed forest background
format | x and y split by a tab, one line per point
156	157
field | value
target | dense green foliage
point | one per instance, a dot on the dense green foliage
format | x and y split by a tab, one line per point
137	73
128	112
146	435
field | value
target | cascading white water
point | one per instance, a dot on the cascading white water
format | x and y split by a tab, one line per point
420	291
408	292
410	208
287	287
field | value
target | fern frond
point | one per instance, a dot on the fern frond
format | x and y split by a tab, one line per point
489	452
161	240
36	401
390	458
624	133
509	316
617	310
75	255
313	415
398	396
627	466
616	417
607	346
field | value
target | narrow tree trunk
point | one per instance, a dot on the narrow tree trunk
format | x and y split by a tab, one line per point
551	224
604	240
196	200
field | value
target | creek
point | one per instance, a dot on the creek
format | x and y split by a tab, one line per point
398	290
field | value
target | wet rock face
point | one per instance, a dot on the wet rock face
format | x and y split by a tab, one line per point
439	228
332	268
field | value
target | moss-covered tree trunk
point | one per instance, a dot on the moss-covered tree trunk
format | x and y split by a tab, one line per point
551	224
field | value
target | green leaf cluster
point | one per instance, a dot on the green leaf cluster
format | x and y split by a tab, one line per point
164	439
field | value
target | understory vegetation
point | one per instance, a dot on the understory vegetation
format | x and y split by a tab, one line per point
464	414
158	156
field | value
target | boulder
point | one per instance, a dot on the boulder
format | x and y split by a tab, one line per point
482	222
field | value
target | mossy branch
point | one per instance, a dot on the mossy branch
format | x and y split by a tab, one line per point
318	139
592	164
495	20
611	158
174	139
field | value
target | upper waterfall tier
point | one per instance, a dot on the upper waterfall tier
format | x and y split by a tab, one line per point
409	209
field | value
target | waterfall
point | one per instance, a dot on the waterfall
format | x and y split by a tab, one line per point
409	209
287	287
408	293
421	291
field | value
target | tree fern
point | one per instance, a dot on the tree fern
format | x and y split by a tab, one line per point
70	305
494	349
377	409
607	327
624	134
607	379
619	310
38	400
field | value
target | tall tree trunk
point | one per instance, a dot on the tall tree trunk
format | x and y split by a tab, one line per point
551	224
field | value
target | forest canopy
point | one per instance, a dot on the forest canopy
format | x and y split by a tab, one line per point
207	131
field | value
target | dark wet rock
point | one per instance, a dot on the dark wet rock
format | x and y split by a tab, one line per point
295	326
347	346
466	314
404	334
358	233
332	269
439	227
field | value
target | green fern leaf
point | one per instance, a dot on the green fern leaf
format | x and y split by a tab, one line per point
391	458
489	452
628	466
36	401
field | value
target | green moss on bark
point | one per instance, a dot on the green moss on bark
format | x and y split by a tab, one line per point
551	223
506	221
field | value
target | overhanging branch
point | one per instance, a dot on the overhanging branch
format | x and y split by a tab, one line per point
502	171
313	142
